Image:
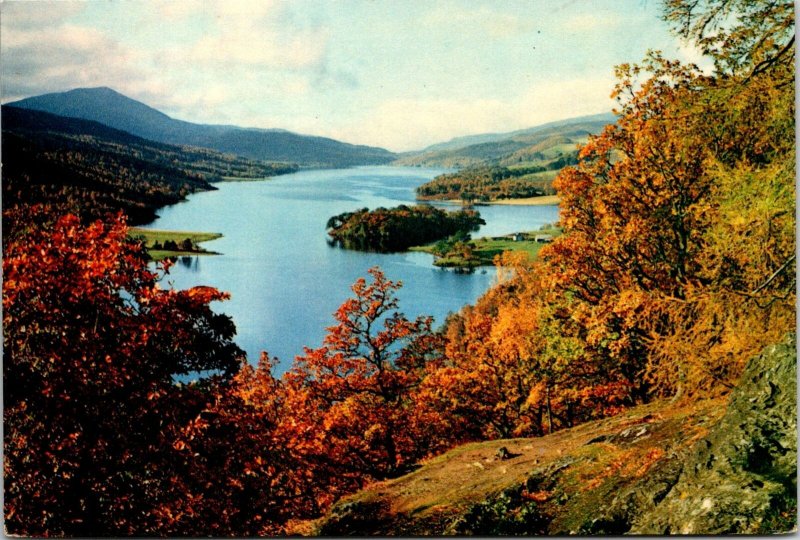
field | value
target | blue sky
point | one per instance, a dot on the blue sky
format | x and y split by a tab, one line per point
400	74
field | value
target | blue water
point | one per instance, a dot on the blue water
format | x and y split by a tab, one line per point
285	280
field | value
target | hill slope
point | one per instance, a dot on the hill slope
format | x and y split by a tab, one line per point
89	168
113	109
516	165
656	469
507	148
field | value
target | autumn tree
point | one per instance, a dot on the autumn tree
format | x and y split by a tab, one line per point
237	473
510	367
743	37
745	298
350	398
91	349
632	214
677	262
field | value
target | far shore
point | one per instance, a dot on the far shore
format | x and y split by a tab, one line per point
528	201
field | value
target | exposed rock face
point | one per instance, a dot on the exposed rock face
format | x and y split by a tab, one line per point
744	473
711	468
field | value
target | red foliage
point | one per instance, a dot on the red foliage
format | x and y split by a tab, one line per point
350	400
91	348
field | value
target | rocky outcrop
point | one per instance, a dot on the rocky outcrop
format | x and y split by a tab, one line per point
742	477
716	467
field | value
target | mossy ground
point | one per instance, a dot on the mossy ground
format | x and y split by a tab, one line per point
716	466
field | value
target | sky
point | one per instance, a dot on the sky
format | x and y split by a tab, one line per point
400	74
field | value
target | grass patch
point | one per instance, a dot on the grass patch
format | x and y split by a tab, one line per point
157	242
487	248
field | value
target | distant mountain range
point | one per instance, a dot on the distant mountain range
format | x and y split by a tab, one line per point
509	148
93	150
115	110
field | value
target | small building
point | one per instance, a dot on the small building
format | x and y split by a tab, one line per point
517	237
543	238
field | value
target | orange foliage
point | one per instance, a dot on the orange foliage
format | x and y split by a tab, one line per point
349	403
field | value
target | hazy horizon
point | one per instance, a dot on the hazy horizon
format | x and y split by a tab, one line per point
398	76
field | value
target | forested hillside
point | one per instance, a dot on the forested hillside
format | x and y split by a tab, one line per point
512	166
675	271
485	184
111	108
90	169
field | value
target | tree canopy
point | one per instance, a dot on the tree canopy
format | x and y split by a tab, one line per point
399	228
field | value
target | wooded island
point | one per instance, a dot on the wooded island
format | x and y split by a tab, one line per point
397	229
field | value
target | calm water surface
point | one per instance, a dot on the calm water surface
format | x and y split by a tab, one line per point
286	281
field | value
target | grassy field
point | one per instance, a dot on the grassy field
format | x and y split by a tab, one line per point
151	236
487	248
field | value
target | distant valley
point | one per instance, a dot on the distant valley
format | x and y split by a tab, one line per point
94	150
512	148
115	110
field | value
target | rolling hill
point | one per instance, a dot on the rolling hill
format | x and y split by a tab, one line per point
515	165
507	148
115	110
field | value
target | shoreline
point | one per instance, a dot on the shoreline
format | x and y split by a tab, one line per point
543	200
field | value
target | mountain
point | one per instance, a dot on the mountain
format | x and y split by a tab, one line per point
89	168
469	140
113	109
507	148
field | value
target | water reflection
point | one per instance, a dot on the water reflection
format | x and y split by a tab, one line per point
190	262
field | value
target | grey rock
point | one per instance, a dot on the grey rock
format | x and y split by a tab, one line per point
744	471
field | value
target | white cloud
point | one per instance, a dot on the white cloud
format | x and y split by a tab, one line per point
248	33
411	124
567	98
25	14
429	120
235	45
37	60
